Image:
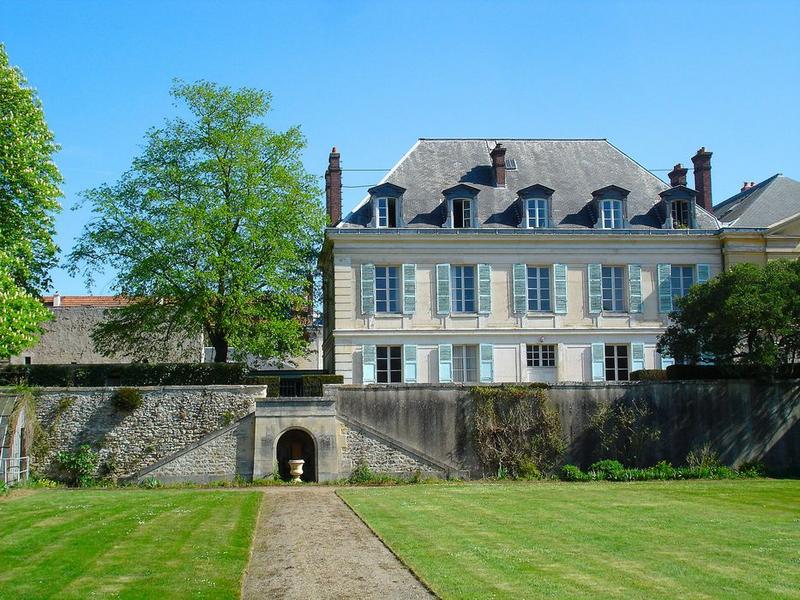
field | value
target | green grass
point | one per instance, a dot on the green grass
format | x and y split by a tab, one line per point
698	539
125	543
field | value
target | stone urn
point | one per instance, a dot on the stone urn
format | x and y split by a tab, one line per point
296	469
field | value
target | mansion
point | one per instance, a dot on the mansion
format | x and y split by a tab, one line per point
479	261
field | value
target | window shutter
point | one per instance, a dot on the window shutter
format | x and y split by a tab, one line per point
560	280
442	289
484	289
666	361
368	289
598	362
595	272
664	288
445	363
409	289
637	357
410	363
635	288
487	363
368	363
703	273
520	282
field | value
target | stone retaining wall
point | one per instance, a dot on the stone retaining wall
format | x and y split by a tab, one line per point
380	456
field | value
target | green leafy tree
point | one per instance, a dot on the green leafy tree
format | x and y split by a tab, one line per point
29	182
21	314
214	229
749	314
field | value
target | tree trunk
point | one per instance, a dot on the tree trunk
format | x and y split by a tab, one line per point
220	343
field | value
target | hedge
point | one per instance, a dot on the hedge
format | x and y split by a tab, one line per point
649	375
132	374
738	371
312	384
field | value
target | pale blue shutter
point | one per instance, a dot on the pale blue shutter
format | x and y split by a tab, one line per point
560	285
368	363
443	289
368	289
445	363
595	274
666	361
487	363
635	288
637	357
703	273
409	289
598	362
484	289
520	283
664	288
410	363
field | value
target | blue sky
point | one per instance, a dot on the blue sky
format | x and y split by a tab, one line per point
657	80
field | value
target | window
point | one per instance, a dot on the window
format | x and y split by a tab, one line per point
462	213
537	212
681	215
613	299
462	285
465	364
541	355
28	360
386	290
612	214
387	212
539	289
682	280
616	362
389	364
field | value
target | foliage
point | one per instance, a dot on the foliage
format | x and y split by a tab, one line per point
748	315
126	399
704	456
21	314
514	426
29	187
361	473
150	483
3	488
614	471
79	466
624	431
572	473
649	375
132	374
313	384
737	371
214	229
36	438
753	468
608	468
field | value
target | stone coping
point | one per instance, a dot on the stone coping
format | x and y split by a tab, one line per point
249	389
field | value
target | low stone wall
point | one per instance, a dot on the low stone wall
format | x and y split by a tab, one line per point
169	420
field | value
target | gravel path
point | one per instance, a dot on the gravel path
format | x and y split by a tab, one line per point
309	544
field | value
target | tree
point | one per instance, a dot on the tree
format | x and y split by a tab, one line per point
749	315
21	314
29	182
215	229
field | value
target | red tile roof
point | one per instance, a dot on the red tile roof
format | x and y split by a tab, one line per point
95	301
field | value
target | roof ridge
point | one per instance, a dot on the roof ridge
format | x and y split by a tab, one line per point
509	139
745	193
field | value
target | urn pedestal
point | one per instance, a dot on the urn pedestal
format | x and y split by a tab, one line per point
296	469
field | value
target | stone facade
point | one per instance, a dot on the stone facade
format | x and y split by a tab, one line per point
380	456
170	419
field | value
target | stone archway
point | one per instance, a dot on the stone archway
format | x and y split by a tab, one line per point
293	444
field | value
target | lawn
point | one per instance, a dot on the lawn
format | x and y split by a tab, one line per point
698	539
125	543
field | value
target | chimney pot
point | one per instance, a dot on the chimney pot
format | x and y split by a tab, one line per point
333	188
498	155
678	175
702	177
56	299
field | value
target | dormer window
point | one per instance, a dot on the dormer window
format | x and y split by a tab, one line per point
679	207
536	209
680	214
535	206
387	206
387	212
612	214
462	213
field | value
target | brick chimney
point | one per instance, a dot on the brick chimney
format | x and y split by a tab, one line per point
498	155
333	188
702	177
678	175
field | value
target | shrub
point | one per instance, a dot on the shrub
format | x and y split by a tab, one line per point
624	431
3	488
649	375
361	473
515	427
150	483
704	456
312	384
572	473
607	469
527	469
126	399
752	468
79	466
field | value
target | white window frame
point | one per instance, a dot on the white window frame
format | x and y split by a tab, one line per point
617	216
616	356
539	289
540	355
462	372
676	208
458	285
388	289
680	291
382	212
617	293
467	210
388	370
536	213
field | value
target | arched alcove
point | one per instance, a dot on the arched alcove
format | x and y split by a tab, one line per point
295	444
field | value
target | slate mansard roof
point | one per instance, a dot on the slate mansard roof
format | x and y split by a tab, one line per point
763	205
572	168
